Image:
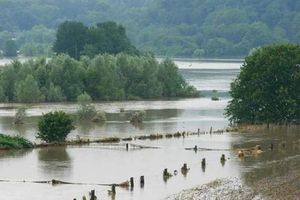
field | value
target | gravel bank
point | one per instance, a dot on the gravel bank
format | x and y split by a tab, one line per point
221	189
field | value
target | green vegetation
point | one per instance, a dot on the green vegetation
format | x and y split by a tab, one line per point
267	89
75	39
14	142
55	127
87	111
215	96
20	115
138	117
209	28
10	48
106	77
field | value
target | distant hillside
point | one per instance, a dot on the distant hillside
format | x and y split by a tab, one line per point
199	28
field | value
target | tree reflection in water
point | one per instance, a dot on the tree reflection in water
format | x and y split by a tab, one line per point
55	162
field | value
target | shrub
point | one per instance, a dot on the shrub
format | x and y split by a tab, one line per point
86	110
14	142
55	126
20	115
99	117
138	117
215	96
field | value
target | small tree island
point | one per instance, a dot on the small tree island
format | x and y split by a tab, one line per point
267	91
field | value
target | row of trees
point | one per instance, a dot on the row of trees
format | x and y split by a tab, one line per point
268	87
106	77
209	28
34	42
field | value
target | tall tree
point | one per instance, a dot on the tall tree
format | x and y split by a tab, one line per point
10	48
28	91
71	37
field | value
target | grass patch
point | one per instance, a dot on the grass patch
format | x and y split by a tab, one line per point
14	142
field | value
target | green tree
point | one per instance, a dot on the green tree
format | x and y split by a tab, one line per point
108	37
10	48
71	37
86	110
27	91
55	94
105	77
173	84
267	89
55	126
3	98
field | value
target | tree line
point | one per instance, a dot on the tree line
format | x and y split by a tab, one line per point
198	28
105	77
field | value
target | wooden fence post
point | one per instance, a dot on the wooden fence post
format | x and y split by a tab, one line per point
142	181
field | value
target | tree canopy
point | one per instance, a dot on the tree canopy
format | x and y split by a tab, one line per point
267	89
216	28
55	126
75	39
105	77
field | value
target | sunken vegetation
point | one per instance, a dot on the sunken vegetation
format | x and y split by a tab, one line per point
14	142
105	77
267	90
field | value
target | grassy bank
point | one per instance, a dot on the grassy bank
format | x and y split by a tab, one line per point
14	142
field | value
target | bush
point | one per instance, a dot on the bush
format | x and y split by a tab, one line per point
99	117
14	142
55	126
86	110
215	96
138	117
20	115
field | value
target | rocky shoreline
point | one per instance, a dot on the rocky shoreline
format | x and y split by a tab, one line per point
220	189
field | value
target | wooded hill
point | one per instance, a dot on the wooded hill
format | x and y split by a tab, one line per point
198	28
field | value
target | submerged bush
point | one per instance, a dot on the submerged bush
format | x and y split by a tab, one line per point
138	117
215	96
20	115
99	117
14	142
55	126
87	111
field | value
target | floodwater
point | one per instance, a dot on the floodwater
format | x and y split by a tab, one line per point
98	164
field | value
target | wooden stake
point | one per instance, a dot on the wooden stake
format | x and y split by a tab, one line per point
142	181
131	182
93	196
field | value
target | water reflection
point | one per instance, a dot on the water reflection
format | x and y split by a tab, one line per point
55	162
14	153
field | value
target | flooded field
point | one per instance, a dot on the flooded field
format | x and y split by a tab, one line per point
101	164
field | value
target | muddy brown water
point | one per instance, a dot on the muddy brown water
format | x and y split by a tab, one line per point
98	164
